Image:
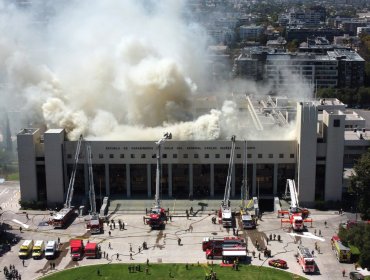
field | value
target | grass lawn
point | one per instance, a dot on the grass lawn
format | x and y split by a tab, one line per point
178	271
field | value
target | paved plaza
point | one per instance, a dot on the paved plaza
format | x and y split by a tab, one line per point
163	244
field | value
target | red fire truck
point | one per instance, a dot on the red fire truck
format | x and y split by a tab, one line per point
77	249
92	251
63	217
306	260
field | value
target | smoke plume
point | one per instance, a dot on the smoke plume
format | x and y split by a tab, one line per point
119	70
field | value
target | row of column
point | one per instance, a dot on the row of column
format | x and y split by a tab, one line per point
191	186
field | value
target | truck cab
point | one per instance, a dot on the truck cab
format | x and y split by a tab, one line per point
214	252
208	242
38	249
248	222
92	251
51	249
26	249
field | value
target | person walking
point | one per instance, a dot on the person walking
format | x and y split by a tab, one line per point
23	262
109	245
131	256
110	233
344	273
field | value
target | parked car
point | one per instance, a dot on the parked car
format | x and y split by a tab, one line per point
356	275
278	263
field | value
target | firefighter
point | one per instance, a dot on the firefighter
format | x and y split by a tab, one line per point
179	241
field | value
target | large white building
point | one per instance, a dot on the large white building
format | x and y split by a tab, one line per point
325	141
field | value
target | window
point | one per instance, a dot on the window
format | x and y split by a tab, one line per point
185	155
143	156
271	156
174	156
101	156
132	155
164	155
227	155
336	123
259	155
217	156
238	156
196	156
122	156
281	155
111	155
206	156
249	155
291	155
69	156
154	155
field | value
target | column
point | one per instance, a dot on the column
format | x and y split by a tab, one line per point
212	174
190	179
170	180
254	175
128	180
149	179
107	180
233	182
275	179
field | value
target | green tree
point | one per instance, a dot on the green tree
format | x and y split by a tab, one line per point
360	184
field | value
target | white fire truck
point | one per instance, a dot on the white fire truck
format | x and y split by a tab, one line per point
306	260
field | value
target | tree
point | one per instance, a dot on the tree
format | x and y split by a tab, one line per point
360	184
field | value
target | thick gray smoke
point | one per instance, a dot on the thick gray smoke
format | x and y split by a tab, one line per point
120	70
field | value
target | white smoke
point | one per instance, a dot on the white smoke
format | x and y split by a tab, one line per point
119	70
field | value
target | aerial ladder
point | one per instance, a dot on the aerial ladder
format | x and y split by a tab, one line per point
95	224
157	217
60	219
248	220
297	215
225	213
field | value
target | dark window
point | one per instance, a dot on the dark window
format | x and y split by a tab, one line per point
291	155
154	155
249	155
196	156
69	156
101	156
185	155
143	156
132	155
217	155
206	155
259	155
281	155
122	156
174	155
227	155
271	155
238	156
111	155
336	123
320	158
164	156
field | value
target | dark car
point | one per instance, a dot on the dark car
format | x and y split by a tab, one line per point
356	275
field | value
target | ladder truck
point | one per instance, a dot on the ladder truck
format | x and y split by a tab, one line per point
248	221
95	224
61	219
157	217
225	214
297	215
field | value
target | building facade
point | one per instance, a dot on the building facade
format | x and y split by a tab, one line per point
324	141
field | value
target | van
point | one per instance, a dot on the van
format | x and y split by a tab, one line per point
51	250
38	249
26	249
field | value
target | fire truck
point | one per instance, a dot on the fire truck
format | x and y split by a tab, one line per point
306	260
95	223
62	218
209	242
342	252
297	215
216	247
92	251
225	214
77	249
157	217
